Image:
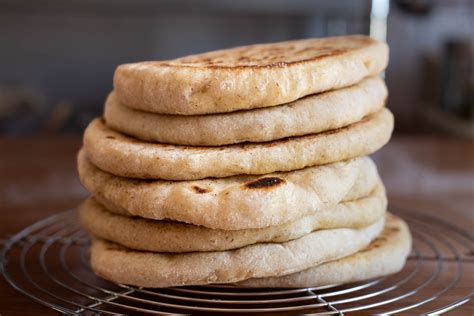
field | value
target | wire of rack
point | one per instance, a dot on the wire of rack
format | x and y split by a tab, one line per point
48	262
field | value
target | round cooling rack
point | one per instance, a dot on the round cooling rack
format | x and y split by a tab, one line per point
48	262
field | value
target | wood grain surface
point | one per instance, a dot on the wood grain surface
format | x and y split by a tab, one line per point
429	175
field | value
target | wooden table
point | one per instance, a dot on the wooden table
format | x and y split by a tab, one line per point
423	174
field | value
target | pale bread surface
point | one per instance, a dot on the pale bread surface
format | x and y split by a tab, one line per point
128	157
249	77
154	269
233	203
312	114
384	256
168	236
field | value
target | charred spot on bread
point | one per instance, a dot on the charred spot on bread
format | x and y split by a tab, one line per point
200	190
264	183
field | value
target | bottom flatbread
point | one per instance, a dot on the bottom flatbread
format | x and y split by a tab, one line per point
152	269
385	255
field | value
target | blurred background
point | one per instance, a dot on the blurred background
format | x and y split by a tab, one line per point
57	57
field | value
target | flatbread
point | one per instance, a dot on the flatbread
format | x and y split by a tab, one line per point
128	157
385	255
309	115
249	77
168	236
240	202
153	269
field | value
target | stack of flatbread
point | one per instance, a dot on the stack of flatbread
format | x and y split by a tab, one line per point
246	166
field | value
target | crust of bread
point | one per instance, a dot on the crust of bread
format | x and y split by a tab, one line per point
249	77
170	236
128	157
384	256
154	269
233	203
312	114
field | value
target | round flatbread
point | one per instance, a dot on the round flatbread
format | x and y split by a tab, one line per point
233	203
127	157
167	236
153	269
385	255
249	77
309	115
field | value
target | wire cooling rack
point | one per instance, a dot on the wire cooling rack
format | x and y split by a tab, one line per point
48	262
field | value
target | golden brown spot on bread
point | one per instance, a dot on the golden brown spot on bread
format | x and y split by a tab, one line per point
367	64
264	183
374	245
203	89
200	190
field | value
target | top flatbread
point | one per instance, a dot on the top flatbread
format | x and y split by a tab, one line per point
249	77
309	115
